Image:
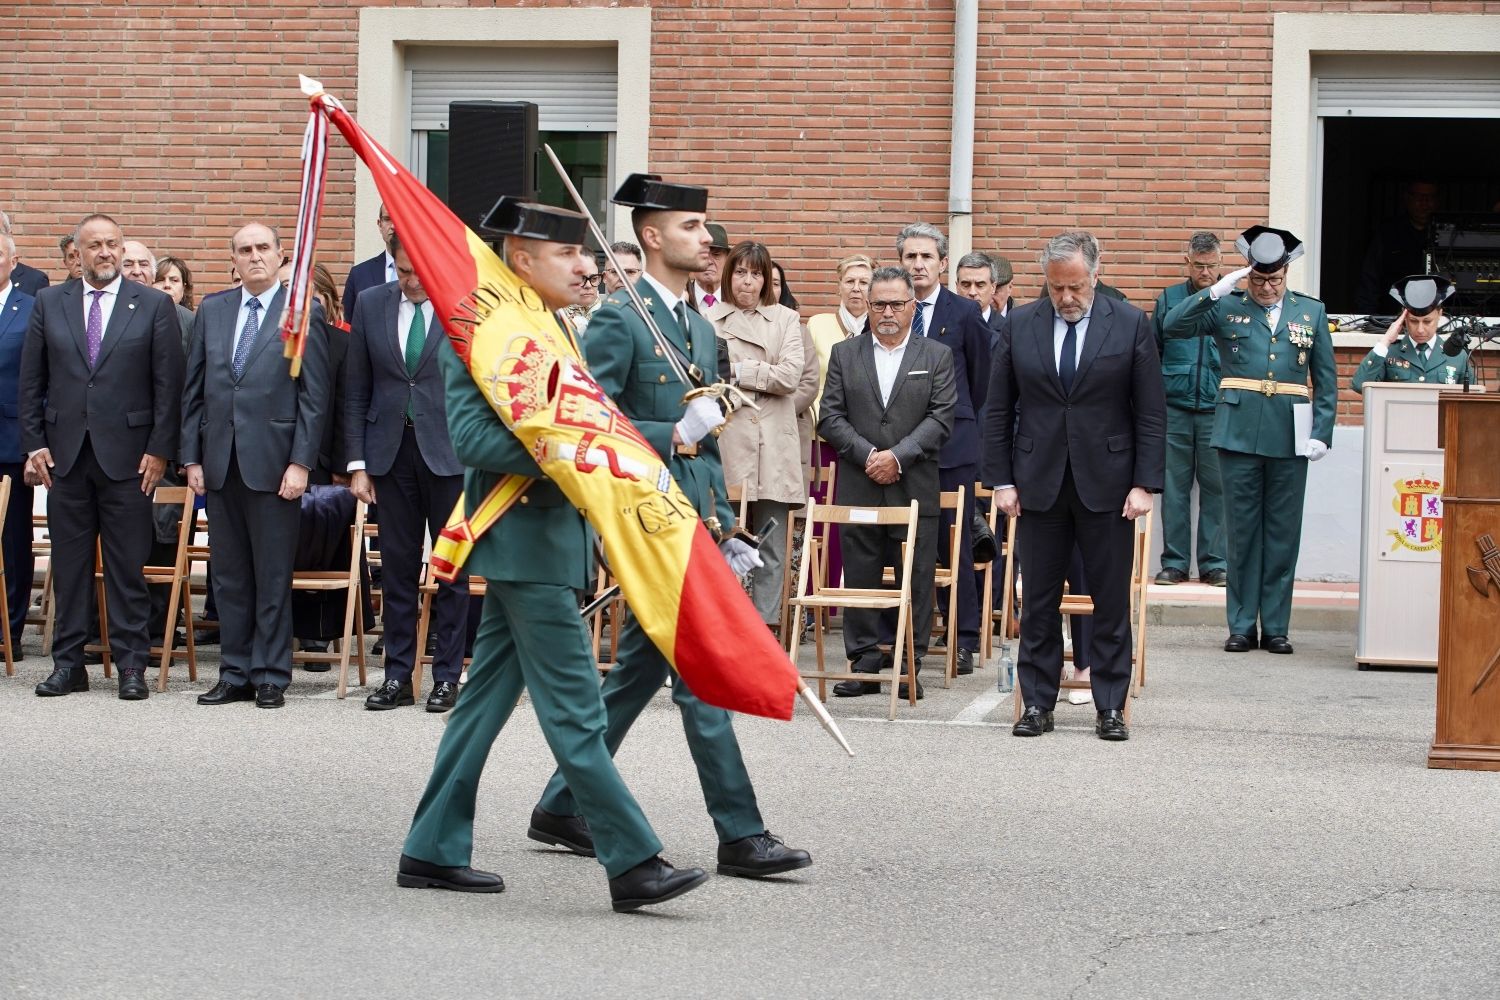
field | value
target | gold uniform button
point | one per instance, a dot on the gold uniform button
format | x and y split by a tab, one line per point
661	378
525	499
1421	378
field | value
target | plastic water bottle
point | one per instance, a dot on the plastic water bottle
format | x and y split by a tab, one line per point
1005	679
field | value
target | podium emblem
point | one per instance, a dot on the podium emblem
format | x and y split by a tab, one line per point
1482	577
1419	508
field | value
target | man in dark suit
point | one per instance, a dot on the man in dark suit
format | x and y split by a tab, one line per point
954	322
250	436
101	387
23	276
1082	371
397	442
378	270
888	406
15	539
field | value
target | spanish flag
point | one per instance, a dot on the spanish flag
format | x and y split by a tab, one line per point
668	567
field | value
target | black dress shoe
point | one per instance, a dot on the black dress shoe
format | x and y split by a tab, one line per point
444	694
224	692
1276	644
1111	726
1171	577
568	832
760	856
1237	643
94	658
391	694
313	645
379	646
1033	722
133	685
902	693
652	881
965	661
205	637
63	681
1216	578
415	874
269	696
853	689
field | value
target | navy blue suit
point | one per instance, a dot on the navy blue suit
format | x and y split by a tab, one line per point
366	274
15	539
28	279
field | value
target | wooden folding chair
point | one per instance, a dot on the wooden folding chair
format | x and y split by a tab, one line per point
944	626
346	580
45	615
375	562
614	610
175	576
428	590
816	475
10	662
987	570
873	599
1005	615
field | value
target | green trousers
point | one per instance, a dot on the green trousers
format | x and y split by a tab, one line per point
1190	457
530	635
638	675
1263	501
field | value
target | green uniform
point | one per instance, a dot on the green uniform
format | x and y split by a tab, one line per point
1190	374
1264	479
626	363
1403	362
533	561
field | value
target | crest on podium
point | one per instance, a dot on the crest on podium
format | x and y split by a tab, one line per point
1417	526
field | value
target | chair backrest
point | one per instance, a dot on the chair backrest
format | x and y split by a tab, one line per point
736	494
179	496
842	514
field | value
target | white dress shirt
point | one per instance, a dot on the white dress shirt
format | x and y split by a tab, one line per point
1381	348
888	365
668	297
106	303
265	298
928	305
5	295
1060	330
404	312
390	268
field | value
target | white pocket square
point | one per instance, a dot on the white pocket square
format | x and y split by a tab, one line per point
924	371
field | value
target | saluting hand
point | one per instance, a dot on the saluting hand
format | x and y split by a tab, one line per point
1395	330
1229	283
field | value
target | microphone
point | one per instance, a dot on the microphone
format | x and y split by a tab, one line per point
1456	343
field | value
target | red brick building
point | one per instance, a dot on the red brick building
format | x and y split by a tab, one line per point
821	125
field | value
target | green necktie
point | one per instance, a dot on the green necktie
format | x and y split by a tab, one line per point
416	339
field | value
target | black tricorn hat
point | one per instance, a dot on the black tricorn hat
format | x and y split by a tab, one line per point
1268	250
651	192
513	217
1420	294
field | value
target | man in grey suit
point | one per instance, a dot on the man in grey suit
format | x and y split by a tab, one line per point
250	436
888	407
396	437
101	383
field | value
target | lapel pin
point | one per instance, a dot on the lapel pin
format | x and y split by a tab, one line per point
131	305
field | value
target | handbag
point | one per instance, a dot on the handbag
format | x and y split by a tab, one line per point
983	546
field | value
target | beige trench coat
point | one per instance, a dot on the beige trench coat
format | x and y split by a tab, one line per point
767	358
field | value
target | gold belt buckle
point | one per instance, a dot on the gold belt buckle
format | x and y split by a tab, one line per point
1268	386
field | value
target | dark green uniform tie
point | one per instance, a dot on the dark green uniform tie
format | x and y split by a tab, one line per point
416	339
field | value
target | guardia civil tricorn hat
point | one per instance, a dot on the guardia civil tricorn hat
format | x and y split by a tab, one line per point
1420	294
513	217
1268	250
651	192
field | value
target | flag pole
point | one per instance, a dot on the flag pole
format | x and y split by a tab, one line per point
823	716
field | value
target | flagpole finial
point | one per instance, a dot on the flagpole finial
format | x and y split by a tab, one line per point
310	87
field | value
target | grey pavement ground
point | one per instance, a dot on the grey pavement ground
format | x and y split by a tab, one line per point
1270	830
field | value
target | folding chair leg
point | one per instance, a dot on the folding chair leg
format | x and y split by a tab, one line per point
10	661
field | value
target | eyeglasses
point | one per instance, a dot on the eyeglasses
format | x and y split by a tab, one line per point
1260	282
630	272
893	306
597	280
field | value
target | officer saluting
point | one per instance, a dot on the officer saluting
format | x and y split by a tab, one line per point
1411	351
1270	341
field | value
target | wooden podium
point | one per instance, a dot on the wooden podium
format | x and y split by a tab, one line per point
1468	693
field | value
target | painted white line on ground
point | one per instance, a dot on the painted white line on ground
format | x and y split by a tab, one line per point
977	709
924	722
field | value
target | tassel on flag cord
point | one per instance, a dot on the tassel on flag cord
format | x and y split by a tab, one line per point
669	569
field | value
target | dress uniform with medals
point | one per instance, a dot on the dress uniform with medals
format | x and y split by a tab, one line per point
534	561
1268	354
632	368
1405	360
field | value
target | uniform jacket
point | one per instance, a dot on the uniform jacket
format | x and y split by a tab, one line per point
29	279
1402	363
378	390
1298	350
265	418
625	361
1189	365
1110	430
761	448
128	404
913	425
542	538
13	319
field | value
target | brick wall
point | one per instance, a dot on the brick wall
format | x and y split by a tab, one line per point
822	125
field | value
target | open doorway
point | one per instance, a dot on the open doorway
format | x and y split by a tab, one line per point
1368	165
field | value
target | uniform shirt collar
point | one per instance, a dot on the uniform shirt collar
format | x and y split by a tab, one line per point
666	296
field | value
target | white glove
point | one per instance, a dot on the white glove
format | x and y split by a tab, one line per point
702	416
1228	283
740	556
1315	450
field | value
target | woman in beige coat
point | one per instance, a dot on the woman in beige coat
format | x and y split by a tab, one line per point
761	448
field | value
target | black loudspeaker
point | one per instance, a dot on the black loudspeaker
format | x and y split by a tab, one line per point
492	147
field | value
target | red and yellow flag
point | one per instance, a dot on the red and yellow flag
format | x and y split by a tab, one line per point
668	567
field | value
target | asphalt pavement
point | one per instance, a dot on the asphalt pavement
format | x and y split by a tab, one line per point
1270	830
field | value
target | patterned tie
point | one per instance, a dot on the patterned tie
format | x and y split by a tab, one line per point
1067	365
247	336
95	326
918	323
